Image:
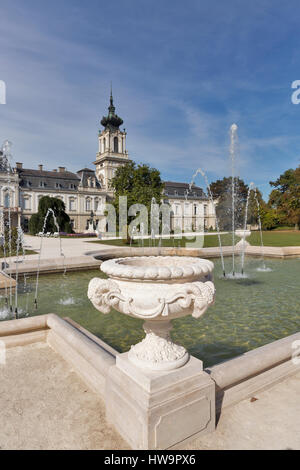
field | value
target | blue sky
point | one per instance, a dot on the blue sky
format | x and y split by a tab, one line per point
182	73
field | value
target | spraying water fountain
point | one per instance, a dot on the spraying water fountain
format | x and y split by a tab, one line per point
202	173
240	247
12	285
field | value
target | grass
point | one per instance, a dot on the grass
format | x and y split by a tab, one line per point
270	238
276	238
14	253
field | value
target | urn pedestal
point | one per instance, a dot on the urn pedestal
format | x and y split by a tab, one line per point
160	409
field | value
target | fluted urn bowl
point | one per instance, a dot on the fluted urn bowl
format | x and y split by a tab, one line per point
156	289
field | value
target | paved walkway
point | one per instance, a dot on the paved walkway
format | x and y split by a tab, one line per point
269	422
51	247
45	405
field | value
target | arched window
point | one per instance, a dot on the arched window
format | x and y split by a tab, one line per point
6	200
87	204
104	144
116	145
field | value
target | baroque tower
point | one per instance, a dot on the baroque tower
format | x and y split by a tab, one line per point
112	147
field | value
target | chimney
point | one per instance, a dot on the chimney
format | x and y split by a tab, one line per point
61	169
55	170
41	167
19	165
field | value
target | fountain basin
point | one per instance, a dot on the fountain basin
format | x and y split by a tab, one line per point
156	289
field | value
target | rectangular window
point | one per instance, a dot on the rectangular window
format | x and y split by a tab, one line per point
72	206
27	203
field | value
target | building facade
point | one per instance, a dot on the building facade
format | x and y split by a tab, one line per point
191	209
81	193
86	192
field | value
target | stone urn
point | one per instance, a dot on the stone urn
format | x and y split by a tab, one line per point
156	289
243	234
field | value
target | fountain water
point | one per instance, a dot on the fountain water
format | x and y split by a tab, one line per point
244	245
233	143
200	171
264	267
6	167
253	188
50	211
20	243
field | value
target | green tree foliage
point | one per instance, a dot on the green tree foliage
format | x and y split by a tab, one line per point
285	198
222	191
269	218
140	183
258	208
57	205
5	243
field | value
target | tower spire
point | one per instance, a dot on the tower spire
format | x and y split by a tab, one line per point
111	95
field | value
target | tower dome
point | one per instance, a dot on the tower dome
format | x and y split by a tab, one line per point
112	121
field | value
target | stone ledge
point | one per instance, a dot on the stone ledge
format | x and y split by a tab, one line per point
94	361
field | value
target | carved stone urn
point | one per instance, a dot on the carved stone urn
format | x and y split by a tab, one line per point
243	234
156	289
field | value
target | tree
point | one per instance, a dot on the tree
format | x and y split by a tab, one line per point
222	191
140	183
285	199
36	222
269	219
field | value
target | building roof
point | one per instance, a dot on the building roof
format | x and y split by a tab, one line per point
57	180
25	172
86	169
178	190
85	175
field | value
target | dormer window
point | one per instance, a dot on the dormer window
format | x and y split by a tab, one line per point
58	185
42	184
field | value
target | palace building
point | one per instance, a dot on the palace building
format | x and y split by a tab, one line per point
86	192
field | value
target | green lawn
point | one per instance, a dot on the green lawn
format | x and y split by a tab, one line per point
269	239
14	253
276	238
